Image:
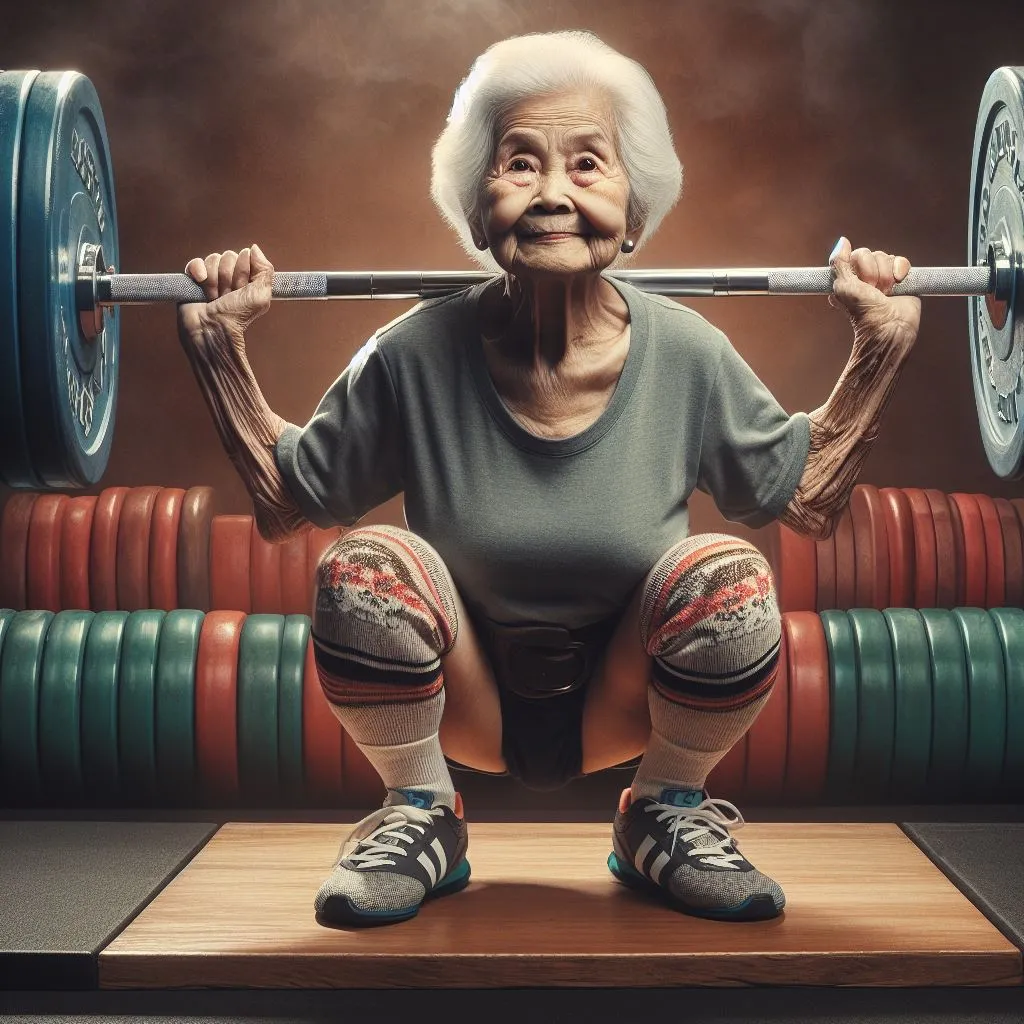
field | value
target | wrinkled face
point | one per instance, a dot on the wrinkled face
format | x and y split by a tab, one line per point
554	201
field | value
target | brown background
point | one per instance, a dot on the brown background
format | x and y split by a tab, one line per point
307	126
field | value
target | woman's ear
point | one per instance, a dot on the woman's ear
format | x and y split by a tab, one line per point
476	229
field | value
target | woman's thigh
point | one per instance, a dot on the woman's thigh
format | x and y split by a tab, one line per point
616	719
470	730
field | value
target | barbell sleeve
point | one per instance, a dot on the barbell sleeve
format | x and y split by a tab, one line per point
139	289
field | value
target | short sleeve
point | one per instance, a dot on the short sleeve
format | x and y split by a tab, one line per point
753	452
350	456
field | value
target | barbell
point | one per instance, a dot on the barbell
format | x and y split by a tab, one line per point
60	292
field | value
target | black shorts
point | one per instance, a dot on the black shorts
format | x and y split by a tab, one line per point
542	739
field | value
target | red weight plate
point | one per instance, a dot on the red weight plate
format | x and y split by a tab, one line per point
194	548
809	706
321	737
1018	507
230	538
216	697
265	566
317	542
899	530
795	566
728	777
995	556
361	786
42	585
825	560
75	543
975	558
870	547
960	550
14	550
103	549
768	741
133	535
163	549
925	548
946	594
1013	553
296	578
846	562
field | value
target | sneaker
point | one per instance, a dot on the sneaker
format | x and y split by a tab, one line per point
679	848
393	860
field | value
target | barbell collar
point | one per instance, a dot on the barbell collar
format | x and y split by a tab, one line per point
139	289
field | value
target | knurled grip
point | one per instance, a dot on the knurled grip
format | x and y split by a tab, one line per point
920	281
179	288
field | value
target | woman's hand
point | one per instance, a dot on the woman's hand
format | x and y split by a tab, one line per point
863	285
237	287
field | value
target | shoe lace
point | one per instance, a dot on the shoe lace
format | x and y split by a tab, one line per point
365	846
707	825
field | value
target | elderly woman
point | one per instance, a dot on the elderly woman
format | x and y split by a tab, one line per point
546	614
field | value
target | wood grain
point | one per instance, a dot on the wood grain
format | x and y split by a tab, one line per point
865	907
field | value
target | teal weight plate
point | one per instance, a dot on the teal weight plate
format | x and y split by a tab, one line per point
60	706
950	706
137	704
842	672
259	655
16	468
294	642
101	672
912	672
176	704
876	701
986	689
1009	624
21	664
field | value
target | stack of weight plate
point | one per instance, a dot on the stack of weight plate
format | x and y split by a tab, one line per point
151	708
126	548
906	547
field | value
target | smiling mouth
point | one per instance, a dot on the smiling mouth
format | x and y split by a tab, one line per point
550	236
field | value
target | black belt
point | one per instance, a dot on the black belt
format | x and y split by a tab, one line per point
538	660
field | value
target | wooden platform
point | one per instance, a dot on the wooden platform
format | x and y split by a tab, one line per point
865	907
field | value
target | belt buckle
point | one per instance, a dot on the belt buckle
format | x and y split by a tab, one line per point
547	653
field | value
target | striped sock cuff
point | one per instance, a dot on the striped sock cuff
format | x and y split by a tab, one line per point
348	676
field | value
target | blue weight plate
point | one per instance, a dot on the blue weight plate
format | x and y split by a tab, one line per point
66	199
15	459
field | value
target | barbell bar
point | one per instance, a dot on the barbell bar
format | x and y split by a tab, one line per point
60	329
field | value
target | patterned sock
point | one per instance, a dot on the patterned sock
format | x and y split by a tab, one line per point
384	616
711	622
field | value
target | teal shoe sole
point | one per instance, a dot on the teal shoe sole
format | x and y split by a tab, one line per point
340	909
754	908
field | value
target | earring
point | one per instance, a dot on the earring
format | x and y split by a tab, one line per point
628	245
481	244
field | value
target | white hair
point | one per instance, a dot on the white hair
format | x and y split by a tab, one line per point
541	64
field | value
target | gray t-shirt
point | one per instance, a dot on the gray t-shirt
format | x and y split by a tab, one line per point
533	529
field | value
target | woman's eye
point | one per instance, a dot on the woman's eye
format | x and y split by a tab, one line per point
588	163
519	164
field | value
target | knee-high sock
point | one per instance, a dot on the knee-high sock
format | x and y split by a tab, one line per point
384	616
711	622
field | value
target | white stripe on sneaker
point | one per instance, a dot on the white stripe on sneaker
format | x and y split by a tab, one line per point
428	864
641	854
442	860
659	865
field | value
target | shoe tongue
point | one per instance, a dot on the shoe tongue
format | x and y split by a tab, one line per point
682	797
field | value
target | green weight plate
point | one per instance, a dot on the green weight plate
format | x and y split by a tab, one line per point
842	672
259	655
986	690
949	704
66	200
294	642
136	703
15	458
101	671
997	216
176	704
60	705
1009	624
21	663
876	701
912	673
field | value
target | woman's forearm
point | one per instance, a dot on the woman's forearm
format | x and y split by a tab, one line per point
843	431
248	427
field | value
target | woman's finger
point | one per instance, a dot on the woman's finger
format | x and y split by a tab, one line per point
211	285
227	270
240	278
